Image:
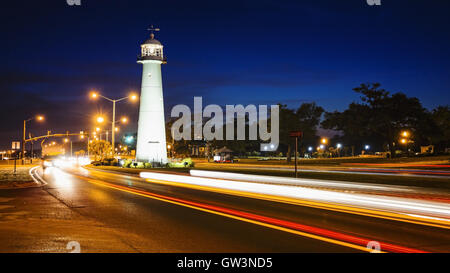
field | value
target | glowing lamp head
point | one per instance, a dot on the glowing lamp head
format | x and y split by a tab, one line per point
40	118
339	145
100	119
403	140
367	147
323	140
129	139
124	119
94	95
133	97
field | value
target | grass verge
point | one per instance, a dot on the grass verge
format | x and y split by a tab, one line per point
9	180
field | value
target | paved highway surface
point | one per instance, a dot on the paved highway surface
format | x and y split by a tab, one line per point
110	212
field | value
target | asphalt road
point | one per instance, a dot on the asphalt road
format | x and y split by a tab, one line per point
107	212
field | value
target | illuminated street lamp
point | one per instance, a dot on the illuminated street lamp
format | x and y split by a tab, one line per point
366	147
339	145
324	140
132	97
129	139
405	133
38	118
100	119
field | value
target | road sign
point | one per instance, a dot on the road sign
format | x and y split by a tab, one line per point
16	145
295	134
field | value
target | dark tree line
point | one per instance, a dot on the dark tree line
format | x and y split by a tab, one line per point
306	118
377	119
380	117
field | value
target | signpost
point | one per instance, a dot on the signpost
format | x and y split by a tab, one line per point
296	134
15	147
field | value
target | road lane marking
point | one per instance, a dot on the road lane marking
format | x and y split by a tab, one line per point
282	225
36	177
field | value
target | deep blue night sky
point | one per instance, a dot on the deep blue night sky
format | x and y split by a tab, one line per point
229	52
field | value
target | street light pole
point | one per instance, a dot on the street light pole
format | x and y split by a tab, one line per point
39	118
23	140
113	123
113	129
88	142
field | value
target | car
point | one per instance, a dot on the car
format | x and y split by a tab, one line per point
48	161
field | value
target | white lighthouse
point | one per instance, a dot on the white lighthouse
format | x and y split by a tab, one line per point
151	136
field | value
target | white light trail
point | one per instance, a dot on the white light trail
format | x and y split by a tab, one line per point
294	181
404	206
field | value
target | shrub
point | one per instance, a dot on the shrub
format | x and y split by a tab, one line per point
138	165
127	163
185	163
96	163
